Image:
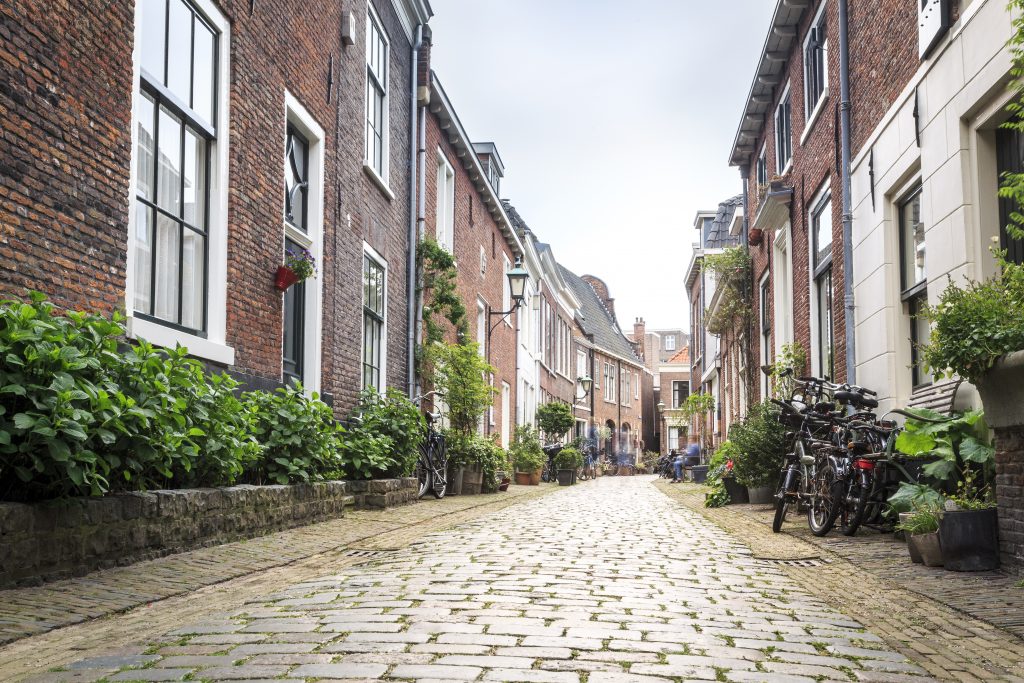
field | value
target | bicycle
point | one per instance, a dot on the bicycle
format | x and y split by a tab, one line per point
432	466
550	472
589	469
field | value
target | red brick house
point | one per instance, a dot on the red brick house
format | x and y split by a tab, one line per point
132	183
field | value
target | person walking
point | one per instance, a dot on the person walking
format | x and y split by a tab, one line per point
677	467
691	458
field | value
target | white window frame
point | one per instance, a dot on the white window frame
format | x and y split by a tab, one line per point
670	342
814	109
483	262
782	288
781	167
624	382
444	228
302	120
381	177
481	327
761	169
506	413
815	325
213	346
636	385
506	289
765	345
381	261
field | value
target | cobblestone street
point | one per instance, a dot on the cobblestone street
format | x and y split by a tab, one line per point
608	581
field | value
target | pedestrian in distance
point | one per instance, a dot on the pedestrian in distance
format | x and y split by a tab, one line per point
677	466
692	455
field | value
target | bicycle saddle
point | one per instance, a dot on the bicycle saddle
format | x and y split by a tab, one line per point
857	399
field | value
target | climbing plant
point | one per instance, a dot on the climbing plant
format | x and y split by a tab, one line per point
437	277
1012	186
732	271
791	360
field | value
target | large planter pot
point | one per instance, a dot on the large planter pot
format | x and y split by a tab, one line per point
737	491
472	480
699	473
970	540
1002	391
915	554
455	478
565	477
523	478
929	547
535	477
760	495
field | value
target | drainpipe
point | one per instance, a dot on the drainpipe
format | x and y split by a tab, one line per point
411	280
844	109
745	175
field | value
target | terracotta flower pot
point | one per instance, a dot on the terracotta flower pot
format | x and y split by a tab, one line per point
535	477
755	237
285	278
522	478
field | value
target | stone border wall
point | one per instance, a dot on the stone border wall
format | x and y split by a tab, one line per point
47	541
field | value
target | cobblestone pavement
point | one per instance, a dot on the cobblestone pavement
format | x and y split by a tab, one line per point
870	579
608	582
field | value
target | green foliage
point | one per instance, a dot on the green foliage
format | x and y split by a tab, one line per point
910	496
720	466
569	459
732	271
473	450
460	375
974	325
301	262
717	496
760	442
1012	186
790	361
298	433
525	450
923	520
390	415
961	443
555	418
437	282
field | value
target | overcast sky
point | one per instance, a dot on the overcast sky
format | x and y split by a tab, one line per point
615	122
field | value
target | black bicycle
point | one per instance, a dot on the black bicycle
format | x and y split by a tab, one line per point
550	472
432	467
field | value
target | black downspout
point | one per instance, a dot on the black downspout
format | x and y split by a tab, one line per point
844	108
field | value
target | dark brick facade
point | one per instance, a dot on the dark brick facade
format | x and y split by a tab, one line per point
1009	444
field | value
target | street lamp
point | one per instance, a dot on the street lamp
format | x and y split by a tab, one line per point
586	384
517	278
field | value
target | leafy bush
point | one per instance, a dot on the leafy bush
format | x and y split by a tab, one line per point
525	450
555	418
960	443
298	433
460	375
473	450
720	466
569	459
363	455
760	441
392	415
910	496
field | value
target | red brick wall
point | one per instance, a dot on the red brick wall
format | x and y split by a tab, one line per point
475	228
64	176
614	411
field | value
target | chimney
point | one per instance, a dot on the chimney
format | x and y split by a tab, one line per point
423	68
639	330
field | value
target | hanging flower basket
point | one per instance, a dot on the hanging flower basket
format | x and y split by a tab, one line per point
756	236
298	266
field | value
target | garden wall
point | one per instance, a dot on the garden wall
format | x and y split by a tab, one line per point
46	541
1009	444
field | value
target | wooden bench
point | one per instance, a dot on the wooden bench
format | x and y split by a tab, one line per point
940	396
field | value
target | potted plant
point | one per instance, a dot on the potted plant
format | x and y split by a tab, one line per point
755	237
922	529
969	529
527	457
907	497
566	463
298	266
757	449
723	463
555	419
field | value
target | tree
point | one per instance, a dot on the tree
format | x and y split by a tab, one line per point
555	418
460	374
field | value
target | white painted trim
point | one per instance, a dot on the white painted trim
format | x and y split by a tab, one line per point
812	281
789	162
782	287
810	119
379	182
374	255
385	173
298	116
214	346
448	245
809	125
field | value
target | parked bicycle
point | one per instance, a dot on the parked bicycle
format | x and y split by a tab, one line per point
432	466
589	469
550	472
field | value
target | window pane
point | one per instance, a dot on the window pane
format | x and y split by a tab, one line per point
143	258
920	334
202	72
296	174
193	260
169	169
154	17
168	245
823	232
179	50
825	335
144	146
913	242
195	179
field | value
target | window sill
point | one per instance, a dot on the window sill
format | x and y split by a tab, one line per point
813	118
378	181
167	337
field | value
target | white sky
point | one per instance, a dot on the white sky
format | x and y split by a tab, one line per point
615	121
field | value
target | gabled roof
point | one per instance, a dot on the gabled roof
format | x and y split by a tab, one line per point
597	321
720	235
683	356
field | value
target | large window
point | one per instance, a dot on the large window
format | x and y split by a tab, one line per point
1009	159
784	132
821	230
680	392
376	97
176	105
670	342
764	314
815	64
626	388
445	216
294	341
609	382
296	190
914	281
374	306
761	171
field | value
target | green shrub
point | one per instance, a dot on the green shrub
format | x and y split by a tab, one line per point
569	459
525	450
474	450
760	441
910	496
392	415
555	419
299	435
460	375
923	520
363	455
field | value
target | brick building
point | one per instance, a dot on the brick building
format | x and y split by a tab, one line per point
615	400
462	211
655	348
172	193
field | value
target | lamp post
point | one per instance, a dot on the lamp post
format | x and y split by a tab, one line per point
662	444
517	278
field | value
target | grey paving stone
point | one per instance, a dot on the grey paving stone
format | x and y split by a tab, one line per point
151	675
342	670
243	672
445	673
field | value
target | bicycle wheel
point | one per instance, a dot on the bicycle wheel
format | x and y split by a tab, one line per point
782	502
439	471
856	500
424	472
824	504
